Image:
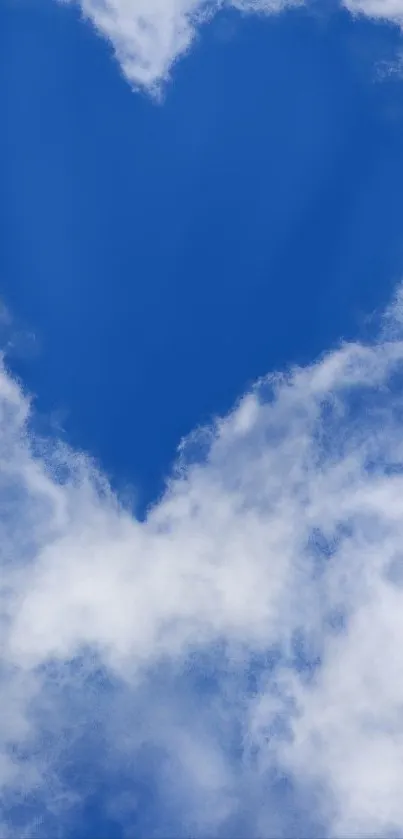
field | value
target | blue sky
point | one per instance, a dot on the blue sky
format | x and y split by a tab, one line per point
166	256
188	206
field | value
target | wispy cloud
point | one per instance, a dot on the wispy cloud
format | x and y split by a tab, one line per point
250	629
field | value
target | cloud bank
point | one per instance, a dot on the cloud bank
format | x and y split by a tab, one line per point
149	36
242	645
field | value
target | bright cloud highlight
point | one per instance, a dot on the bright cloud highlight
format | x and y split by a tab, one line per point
249	629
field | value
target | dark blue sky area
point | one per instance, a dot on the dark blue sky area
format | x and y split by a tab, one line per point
167	255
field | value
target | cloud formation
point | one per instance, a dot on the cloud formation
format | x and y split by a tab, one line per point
148	36
243	643
388	10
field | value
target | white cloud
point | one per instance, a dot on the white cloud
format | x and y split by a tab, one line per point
148	36
284	544
388	10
